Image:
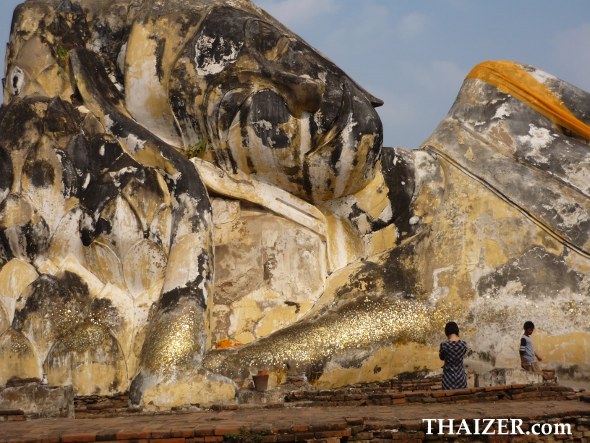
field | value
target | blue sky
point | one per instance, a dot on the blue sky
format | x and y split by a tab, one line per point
414	54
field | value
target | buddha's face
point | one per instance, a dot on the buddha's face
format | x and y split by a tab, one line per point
272	106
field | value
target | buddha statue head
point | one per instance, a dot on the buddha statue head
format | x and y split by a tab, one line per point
272	106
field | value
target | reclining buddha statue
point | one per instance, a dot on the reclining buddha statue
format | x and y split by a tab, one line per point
190	193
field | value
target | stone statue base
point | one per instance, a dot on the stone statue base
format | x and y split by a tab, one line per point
39	401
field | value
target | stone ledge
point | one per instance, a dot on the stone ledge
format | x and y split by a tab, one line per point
488	393
37	401
6	412
511	376
12	415
359	395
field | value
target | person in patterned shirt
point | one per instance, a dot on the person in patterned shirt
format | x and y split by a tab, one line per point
452	352
528	357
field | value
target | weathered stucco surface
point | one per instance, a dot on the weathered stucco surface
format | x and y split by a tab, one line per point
189	193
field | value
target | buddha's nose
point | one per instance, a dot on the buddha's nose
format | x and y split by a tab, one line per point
375	101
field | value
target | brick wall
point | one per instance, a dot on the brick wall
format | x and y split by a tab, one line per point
361	396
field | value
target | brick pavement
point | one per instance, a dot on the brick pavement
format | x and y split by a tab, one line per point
327	424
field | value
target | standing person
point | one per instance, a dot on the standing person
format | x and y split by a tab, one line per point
528	356
452	352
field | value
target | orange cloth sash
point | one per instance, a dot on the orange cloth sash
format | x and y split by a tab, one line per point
512	79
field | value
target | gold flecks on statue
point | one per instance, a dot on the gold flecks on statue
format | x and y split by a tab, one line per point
357	326
18	343
173	343
86	336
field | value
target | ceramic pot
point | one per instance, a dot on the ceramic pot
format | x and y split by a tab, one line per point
260	382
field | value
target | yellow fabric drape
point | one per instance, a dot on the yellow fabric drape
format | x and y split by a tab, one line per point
512	79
